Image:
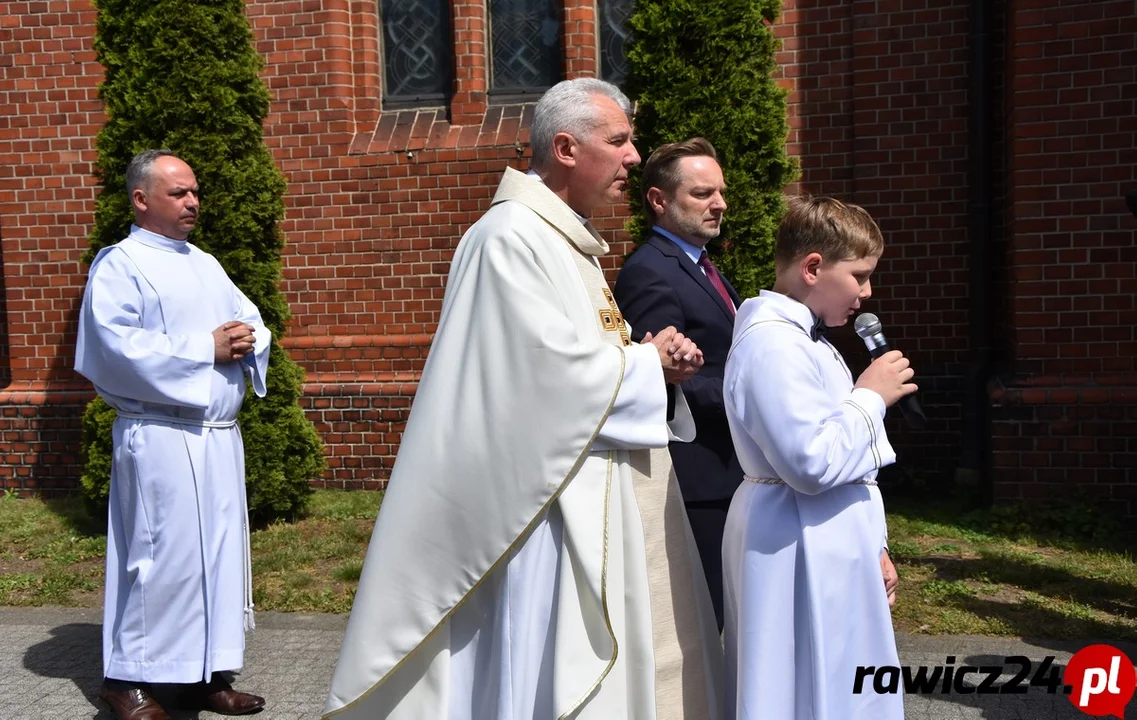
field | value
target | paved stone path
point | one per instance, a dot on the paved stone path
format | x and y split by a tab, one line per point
50	667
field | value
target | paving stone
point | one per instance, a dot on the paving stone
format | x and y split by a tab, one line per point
51	668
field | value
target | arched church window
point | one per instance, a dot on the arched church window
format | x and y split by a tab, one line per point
526	39
417	48
614	31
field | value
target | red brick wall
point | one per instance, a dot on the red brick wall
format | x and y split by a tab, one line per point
816	67
377	200
376	203
878	115
49	115
1066	412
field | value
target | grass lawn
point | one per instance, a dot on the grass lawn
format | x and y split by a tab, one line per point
52	553
980	572
987	573
313	565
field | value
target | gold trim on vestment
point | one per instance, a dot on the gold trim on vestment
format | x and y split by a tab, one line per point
603	592
533	194
612	320
541	514
590	271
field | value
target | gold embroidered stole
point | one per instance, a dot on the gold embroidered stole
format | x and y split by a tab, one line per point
683	671
685	639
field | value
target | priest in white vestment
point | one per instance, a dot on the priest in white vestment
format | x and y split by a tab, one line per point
807	579
168	340
532	558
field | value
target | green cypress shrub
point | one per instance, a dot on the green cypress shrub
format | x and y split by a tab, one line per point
96	455
182	74
705	69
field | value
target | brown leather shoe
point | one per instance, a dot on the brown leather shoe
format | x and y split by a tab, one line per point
219	696
131	702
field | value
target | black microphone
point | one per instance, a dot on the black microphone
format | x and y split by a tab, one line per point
868	327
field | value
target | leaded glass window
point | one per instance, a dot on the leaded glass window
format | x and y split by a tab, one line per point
416	49
526	40
614	32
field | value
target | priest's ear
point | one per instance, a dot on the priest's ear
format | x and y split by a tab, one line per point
564	149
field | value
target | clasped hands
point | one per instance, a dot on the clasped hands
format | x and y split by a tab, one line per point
678	354
232	341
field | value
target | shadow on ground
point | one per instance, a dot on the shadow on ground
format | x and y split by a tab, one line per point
68	655
1037	618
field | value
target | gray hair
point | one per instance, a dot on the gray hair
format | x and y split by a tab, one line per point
139	170
570	107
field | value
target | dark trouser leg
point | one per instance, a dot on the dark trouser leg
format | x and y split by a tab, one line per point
708	518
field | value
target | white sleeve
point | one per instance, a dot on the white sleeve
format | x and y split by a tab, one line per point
812	439
122	358
255	362
639	415
681	427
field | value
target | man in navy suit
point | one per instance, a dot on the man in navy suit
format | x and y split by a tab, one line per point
669	280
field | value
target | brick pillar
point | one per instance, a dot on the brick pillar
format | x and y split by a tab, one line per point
471	62
581	39
366	67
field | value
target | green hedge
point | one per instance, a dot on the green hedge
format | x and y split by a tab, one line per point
699	68
183	74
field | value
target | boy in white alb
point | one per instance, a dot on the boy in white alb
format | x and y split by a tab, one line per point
804	551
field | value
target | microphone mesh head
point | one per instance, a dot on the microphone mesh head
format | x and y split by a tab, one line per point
866	325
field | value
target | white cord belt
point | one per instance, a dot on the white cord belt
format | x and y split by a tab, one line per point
779	481
249	620
178	420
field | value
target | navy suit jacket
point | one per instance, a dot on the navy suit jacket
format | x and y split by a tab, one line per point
658	286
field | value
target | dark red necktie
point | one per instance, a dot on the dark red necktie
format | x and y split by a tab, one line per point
716	280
